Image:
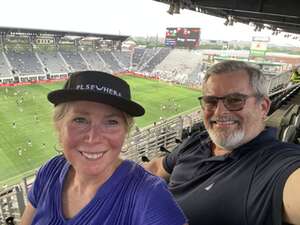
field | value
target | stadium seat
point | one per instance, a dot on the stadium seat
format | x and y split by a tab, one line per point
178	141
10	220
295	120
288	134
145	159
163	149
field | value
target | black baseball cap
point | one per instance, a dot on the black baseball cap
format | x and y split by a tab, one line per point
97	86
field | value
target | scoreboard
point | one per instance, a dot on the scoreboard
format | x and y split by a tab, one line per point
182	37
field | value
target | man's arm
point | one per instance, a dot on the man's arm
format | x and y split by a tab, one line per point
155	166
27	215
291	199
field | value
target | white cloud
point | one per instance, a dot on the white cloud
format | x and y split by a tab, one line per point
134	17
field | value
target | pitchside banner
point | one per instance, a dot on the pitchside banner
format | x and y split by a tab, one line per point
259	46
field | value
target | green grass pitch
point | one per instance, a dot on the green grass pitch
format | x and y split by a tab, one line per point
27	137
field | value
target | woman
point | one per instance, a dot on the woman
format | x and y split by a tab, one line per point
90	184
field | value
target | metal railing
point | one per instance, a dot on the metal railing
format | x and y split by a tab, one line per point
12	204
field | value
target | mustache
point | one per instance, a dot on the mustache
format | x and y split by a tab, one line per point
224	119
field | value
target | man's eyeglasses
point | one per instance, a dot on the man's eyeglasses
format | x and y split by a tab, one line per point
232	102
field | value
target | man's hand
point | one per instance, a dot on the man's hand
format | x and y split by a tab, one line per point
155	166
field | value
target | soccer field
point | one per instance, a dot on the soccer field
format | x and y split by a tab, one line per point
27	135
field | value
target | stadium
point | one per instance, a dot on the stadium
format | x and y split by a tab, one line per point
166	80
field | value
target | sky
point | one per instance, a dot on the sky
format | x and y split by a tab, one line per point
125	17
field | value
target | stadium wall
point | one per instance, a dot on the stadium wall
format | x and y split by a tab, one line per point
33	82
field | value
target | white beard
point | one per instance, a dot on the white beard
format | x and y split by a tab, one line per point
225	141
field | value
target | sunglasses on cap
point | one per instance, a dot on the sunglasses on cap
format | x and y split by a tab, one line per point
232	102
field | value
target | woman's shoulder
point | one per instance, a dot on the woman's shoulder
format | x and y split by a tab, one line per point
53	166
145	178
47	176
55	162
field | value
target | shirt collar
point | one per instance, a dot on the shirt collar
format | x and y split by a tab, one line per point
268	134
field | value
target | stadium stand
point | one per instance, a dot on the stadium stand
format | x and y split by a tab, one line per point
123	58
278	82
24	63
52	62
111	61
5	67
12	204
158	58
149	53
74	60
195	77
178	65
94	61
136	57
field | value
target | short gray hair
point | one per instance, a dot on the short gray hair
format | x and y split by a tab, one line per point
258	82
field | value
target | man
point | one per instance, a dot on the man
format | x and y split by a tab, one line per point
236	172
295	76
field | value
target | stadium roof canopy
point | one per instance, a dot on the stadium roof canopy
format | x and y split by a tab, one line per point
277	15
64	34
